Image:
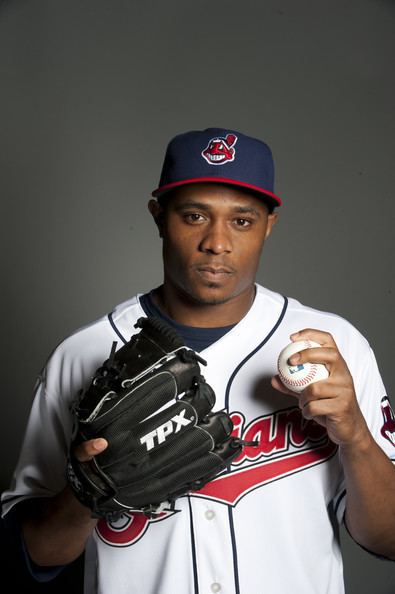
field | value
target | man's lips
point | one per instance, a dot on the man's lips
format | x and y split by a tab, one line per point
214	272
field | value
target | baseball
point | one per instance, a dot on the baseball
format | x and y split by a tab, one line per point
298	377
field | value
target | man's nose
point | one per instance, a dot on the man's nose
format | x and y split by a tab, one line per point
217	239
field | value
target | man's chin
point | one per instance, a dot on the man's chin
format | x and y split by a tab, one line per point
212	301
211	297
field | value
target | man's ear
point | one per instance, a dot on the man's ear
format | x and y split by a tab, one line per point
157	213
271	221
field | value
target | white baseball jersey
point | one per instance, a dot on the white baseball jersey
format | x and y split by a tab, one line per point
267	526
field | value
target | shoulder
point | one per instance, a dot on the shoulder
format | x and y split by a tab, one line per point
79	355
298	316
117	323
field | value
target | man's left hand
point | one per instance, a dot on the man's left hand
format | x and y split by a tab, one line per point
331	402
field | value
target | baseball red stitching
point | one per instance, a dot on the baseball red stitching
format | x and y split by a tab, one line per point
301	382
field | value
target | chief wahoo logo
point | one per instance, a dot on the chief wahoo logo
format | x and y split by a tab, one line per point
220	150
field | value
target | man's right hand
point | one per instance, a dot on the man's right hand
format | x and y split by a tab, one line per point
87	450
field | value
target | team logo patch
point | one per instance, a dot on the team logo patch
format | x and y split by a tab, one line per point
388	428
220	150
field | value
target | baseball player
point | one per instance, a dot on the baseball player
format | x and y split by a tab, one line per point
269	524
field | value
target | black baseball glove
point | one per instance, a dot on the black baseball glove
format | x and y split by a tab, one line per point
153	406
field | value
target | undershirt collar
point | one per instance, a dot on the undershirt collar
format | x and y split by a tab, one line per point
197	339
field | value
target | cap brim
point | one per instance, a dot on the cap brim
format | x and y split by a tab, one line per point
268	196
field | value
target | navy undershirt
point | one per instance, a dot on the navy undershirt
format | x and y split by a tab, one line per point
194	338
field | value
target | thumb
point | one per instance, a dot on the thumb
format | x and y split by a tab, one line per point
87	450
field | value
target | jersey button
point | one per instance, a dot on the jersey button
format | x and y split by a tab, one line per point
210	514
215	587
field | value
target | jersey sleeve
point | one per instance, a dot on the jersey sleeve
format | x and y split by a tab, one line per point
41	467
40	471
375	406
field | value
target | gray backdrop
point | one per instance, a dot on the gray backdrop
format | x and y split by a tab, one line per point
90	93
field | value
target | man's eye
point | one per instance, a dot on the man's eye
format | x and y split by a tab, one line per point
193	217
243	222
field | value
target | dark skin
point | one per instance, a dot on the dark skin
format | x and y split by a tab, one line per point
213	237
370	475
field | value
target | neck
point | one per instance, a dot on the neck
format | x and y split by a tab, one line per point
184	310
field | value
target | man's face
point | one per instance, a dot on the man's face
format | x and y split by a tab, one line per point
212	240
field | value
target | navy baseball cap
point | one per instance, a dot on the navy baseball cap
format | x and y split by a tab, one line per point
222	156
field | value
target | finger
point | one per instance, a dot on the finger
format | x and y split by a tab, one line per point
329	389
324	408
324	356
86	450
308	395
279	386
323	338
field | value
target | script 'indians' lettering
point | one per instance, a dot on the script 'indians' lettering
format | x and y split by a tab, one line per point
287	444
